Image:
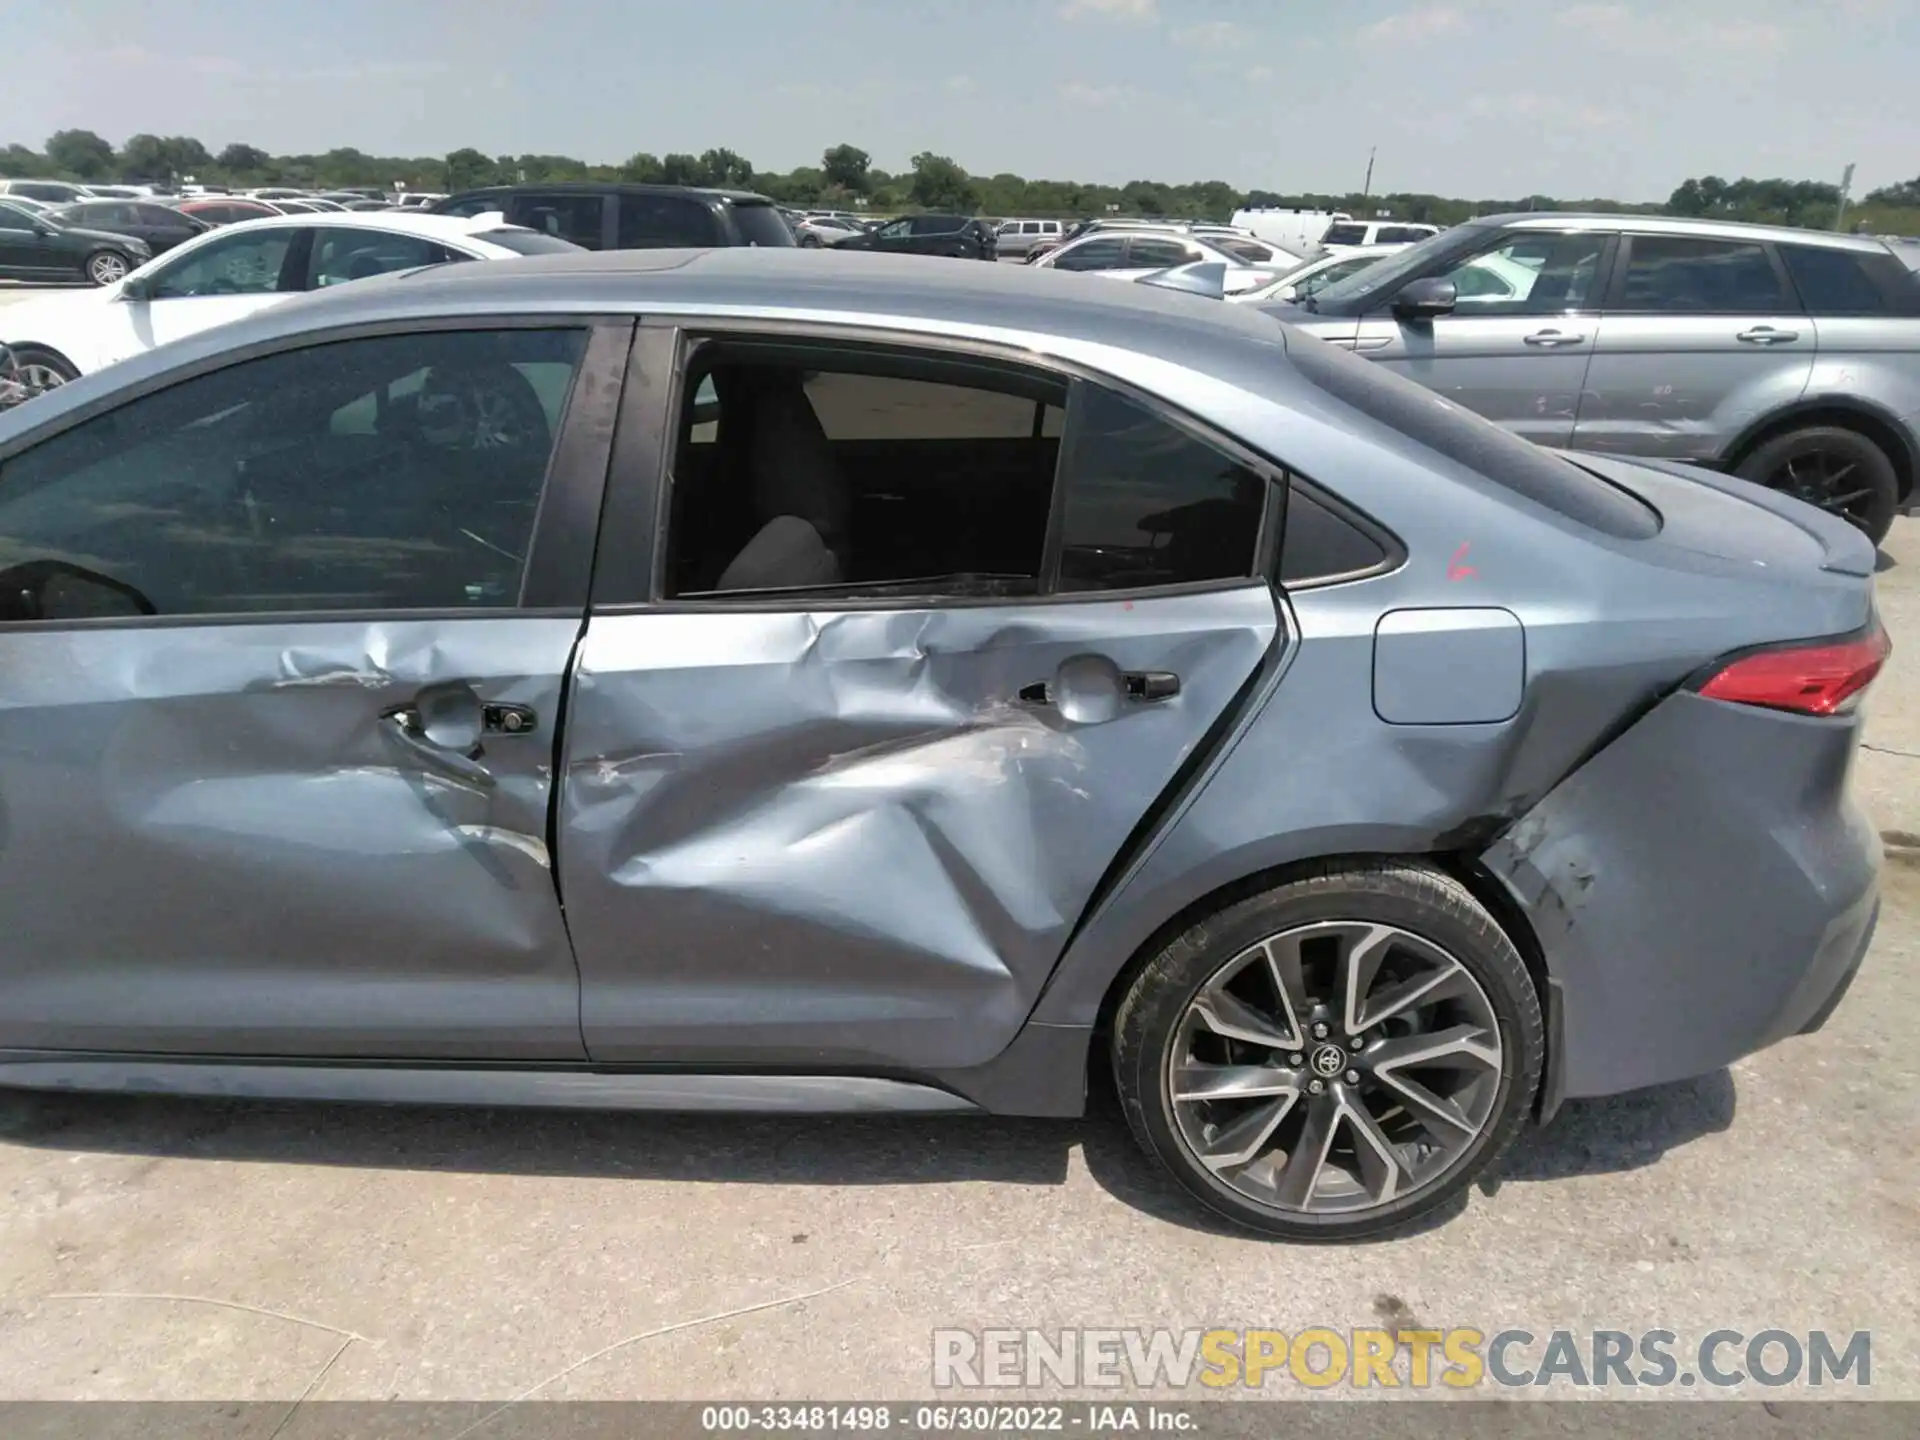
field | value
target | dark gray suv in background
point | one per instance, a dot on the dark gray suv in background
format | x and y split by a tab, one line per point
1787	357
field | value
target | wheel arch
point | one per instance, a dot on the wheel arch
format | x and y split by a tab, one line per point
1458	865
1863	417
25	347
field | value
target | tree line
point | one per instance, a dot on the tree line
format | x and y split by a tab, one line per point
846	177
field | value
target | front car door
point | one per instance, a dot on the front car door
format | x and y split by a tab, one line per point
846	766
226	276
1516	347
281	658
1700	337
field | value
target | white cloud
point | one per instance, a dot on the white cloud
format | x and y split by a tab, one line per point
1139	10
1080	94
1423	22
1209	35
1624	28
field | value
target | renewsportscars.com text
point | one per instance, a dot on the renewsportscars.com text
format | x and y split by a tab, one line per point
1463	1358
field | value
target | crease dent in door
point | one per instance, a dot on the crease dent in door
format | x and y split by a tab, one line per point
821	827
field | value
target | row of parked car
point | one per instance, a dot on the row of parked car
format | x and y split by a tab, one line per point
1786	357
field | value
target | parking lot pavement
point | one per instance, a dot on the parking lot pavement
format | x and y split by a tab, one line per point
167	1249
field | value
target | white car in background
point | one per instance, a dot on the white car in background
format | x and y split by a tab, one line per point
235	270
1133	253
1336	265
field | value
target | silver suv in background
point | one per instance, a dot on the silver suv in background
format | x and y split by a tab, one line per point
1017	237
1787	357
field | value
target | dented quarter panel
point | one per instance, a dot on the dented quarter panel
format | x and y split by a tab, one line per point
1699	889
840	837
208	843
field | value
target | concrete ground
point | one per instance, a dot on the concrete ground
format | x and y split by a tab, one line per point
162	1249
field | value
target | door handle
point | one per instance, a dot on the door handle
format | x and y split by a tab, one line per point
1140	685
1552	338
406	728
1766	335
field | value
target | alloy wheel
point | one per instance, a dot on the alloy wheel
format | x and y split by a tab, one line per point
38	378
1827	478
1335	1067
107	267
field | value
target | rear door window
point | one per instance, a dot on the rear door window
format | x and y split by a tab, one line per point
1690	275
1344	234
341	254
1157	254
656	222
1108	252
1147	504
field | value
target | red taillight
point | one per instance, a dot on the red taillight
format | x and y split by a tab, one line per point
1821	678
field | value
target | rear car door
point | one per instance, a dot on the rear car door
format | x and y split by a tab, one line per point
163	228
844	769
1516	347
281	658
1700	337
650	221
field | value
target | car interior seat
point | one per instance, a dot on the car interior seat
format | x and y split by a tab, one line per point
771	439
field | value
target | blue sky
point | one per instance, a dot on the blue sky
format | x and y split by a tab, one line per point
1485	98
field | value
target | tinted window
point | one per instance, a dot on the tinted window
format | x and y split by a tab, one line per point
470	205
526	242
936	224
12	217
1682	275
1147	504
1400	235
340	255
1247	250
248	263
571	217
1321	545
654	222
1159	253
395	473
159	215
908	476
1108	252
1475	444
1851	282
762	225
1530	272
1344	234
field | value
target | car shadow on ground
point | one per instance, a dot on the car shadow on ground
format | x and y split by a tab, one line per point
1586	1138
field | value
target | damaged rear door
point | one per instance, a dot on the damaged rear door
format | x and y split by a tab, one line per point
850	751
282	647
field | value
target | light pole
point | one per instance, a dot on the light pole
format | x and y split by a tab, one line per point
1840	210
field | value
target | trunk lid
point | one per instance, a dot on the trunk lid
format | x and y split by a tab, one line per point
1734	520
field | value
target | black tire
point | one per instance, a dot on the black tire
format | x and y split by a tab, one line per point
104	267
1837	469
1409	896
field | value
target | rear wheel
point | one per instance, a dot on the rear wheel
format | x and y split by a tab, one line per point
104	267
1334	1058
1837	469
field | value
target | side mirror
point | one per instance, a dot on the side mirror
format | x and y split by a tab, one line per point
136	289
1425	299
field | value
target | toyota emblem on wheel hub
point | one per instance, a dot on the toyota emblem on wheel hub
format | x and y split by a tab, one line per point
1329	1061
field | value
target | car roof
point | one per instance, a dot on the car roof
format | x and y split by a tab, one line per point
1675	225
602	187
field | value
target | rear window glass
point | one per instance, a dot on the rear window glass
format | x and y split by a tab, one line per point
1344	235
1464	438
762	225
526	242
